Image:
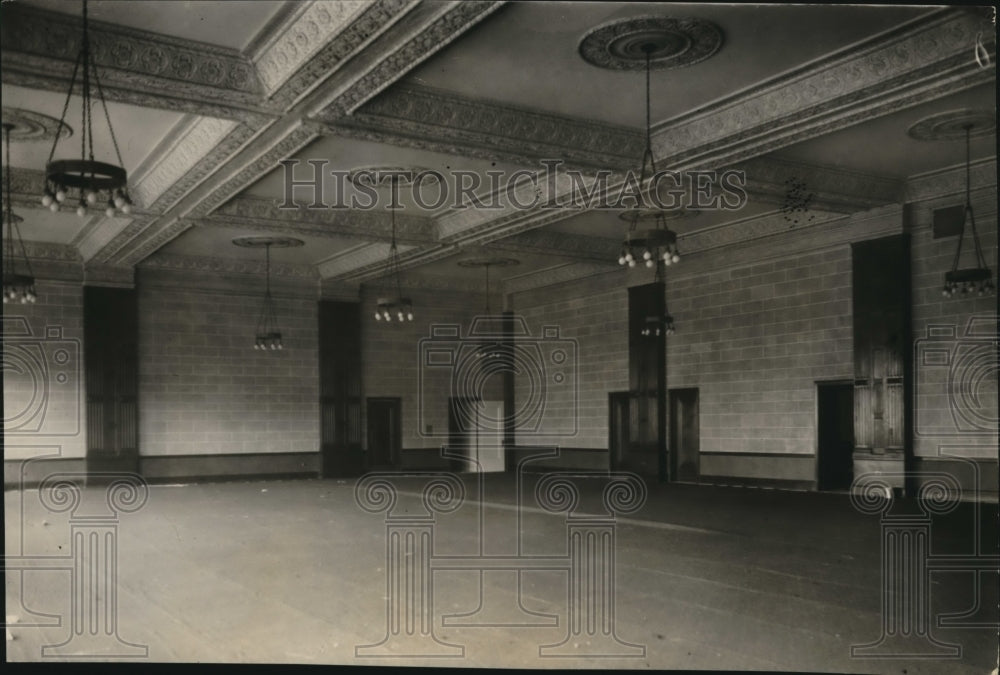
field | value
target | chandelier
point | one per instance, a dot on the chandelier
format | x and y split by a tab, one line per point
267	335
977	279
86	181
401	307
490	347
16	287
658	243
662	324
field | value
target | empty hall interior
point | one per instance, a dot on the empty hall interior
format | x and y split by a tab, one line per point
500	334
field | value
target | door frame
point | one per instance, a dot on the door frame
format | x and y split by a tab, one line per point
672	430
841	382
395	402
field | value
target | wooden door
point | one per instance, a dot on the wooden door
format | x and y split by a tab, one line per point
684	434
384	432
340	388
111	359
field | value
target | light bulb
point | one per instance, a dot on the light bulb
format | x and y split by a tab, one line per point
666	260
24	299
53	207
631	263
675	258
5	299
119	200
409	316
126	208
628	257
274	345
91	197
256	345
47	199
81	210
110	212
646	255
378	317
649	263
60	195
621	260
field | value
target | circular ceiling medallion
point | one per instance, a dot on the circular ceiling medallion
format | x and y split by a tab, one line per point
647	215
671	43
382	176
273	242
32	126
950	126
488	262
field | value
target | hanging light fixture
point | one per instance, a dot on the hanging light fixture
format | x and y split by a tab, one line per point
268	335
16	287
400	307
968	280
662	324
658	244
491	347
86	182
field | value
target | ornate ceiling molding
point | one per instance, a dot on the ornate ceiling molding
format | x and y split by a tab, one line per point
437	25
556	274
260	213
833	189
137	67
316	41
460	123
37	250
199	139
951	181
34	126
216	265
675	42
950	125
916	62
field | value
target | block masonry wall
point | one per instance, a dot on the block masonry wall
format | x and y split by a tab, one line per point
43	387
394	358
204	390
955	357
588	324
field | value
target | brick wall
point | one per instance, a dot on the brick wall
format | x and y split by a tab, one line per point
43	392
591	317
395	364
754	339
949	360
204	390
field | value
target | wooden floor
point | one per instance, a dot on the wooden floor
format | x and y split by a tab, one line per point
294	571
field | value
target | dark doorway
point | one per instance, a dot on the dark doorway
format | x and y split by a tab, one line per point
835	435
111	357
340	399
619	428
385	432
684	431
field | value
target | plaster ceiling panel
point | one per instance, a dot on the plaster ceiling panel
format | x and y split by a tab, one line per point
526	55
54	228
232	24
138	130
217	242
347	154
882	145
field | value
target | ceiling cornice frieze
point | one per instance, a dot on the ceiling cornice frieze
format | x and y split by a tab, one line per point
461	122
951	180
137	67
437	27
244	211
916	62
320	37
218	265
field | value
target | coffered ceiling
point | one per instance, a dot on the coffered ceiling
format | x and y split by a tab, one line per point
207	97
